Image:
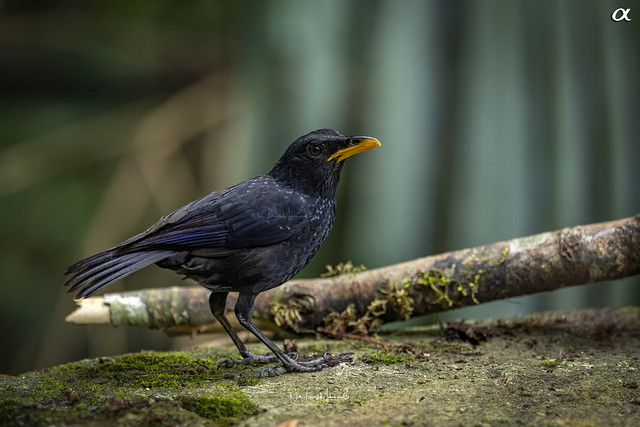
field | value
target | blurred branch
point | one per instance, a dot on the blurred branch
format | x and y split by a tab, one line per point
85	143
158	172
160	131
361	302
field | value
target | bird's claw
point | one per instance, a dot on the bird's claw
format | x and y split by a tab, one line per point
253	359
248	360
273	372
291	365
293	355
308	366
279	370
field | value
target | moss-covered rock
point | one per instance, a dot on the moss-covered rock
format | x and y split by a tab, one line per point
173	387
577	368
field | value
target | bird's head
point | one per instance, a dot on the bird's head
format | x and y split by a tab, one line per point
313	162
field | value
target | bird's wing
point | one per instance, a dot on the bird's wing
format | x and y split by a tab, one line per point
254	213
175	217
267	214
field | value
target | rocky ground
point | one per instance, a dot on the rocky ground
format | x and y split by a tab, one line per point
579	369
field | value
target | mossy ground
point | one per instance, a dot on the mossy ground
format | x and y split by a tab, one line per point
173	387
572	369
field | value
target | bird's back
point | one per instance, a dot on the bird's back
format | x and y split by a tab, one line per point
273	231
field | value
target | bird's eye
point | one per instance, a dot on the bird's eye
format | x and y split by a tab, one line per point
314	149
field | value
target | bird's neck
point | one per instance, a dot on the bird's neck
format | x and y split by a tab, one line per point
324	186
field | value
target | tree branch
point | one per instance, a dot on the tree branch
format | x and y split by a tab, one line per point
359	303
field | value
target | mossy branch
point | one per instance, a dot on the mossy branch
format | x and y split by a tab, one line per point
359	302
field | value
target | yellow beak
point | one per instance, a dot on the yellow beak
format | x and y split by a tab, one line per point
365	143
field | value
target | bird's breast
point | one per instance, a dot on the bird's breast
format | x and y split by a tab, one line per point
284	260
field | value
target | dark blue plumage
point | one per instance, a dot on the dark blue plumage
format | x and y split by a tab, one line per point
248	238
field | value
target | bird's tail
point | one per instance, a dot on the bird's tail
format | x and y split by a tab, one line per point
94	273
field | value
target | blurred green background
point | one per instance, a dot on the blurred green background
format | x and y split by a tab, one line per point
498	119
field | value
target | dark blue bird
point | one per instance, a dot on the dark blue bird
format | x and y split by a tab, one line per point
248	238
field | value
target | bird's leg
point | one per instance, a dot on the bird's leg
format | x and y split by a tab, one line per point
289	364
217	303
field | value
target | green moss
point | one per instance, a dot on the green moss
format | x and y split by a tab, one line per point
397	301
224	408
106	389
154	362
289	312
347	321
473	286
158	370
385	357
505	251
436	282
248	382
550	364
343	268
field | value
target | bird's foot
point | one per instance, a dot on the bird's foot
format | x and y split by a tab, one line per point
295	366
252	359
